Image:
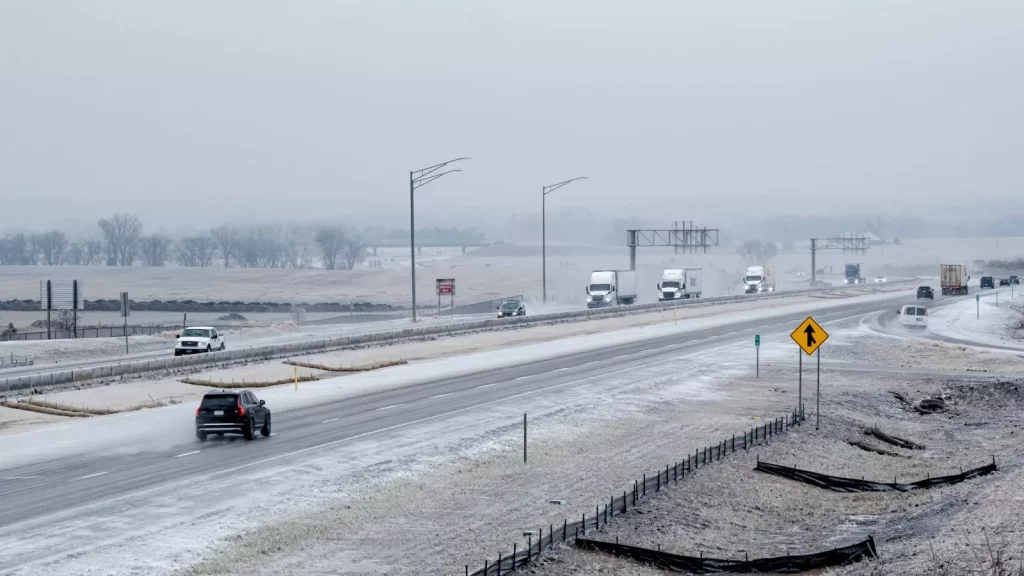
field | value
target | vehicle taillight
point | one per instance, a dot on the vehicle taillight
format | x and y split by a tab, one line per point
197	411
241	409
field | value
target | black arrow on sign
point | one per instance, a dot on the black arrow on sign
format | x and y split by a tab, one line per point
810	336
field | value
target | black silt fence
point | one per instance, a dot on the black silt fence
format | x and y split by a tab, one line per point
839	484
694	565
589	522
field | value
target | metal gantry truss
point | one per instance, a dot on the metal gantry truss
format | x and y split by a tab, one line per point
687	238
851	244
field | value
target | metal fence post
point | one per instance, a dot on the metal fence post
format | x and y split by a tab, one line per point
645	484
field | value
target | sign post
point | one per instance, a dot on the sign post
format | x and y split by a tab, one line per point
977	306
757	348
809	336
446	286
125	311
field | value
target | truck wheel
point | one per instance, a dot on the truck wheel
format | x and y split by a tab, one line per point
207	348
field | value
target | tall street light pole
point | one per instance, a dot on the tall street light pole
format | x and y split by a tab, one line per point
545	190
418	178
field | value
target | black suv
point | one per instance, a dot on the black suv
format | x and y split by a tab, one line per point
1004	281
1014	280
987	282
232	412
925	292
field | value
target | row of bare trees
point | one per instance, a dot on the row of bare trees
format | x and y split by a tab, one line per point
123	243
758	252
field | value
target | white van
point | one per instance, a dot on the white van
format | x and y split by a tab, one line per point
913	316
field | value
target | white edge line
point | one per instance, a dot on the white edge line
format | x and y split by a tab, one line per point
188	453
329	420
442	395
90	476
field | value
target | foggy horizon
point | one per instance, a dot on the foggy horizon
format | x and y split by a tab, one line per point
193	114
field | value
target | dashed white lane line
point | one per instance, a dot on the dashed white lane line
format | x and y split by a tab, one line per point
492	384
442	395
589	363
18	477
561	369
388	407
90	476
329	420
188	453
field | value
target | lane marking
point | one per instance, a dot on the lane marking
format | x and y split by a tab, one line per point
561	369
596	361
330	420
89	476
520	378
389	407
188	453
441	395
18	477
491	384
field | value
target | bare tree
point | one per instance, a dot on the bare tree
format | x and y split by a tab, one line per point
65	320
154	250
757	252
93	252
121	233
330	241
354	250
196	251
75	255
226	239
51	247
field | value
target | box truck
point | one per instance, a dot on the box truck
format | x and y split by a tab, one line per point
678	283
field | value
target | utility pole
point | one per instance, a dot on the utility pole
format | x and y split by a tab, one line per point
544	191
417	179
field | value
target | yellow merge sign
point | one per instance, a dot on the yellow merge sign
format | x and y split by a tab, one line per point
809	335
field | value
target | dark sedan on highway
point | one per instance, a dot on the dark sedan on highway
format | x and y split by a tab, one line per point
925	292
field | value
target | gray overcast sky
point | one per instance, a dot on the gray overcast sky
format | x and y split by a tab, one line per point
193	112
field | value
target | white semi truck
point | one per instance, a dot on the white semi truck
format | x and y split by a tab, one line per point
611	287
759	279
678	283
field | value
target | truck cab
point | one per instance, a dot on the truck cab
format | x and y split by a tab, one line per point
852	274
679	283
611	287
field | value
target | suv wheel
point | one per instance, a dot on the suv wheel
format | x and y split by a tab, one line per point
207	348
250	427
201	435
266	427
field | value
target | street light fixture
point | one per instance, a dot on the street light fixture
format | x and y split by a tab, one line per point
418	178
545	190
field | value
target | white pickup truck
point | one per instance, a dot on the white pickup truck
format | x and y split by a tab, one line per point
199	339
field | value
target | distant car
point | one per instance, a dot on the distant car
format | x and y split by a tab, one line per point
198	339
232	412
1004	281
987	282
913	317
925	292
879	278
1014	280
511	308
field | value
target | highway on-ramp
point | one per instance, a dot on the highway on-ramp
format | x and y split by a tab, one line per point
45	494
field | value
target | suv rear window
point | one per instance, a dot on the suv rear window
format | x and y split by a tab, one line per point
220	401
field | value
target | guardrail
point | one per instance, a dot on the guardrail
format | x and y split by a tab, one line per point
341	342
